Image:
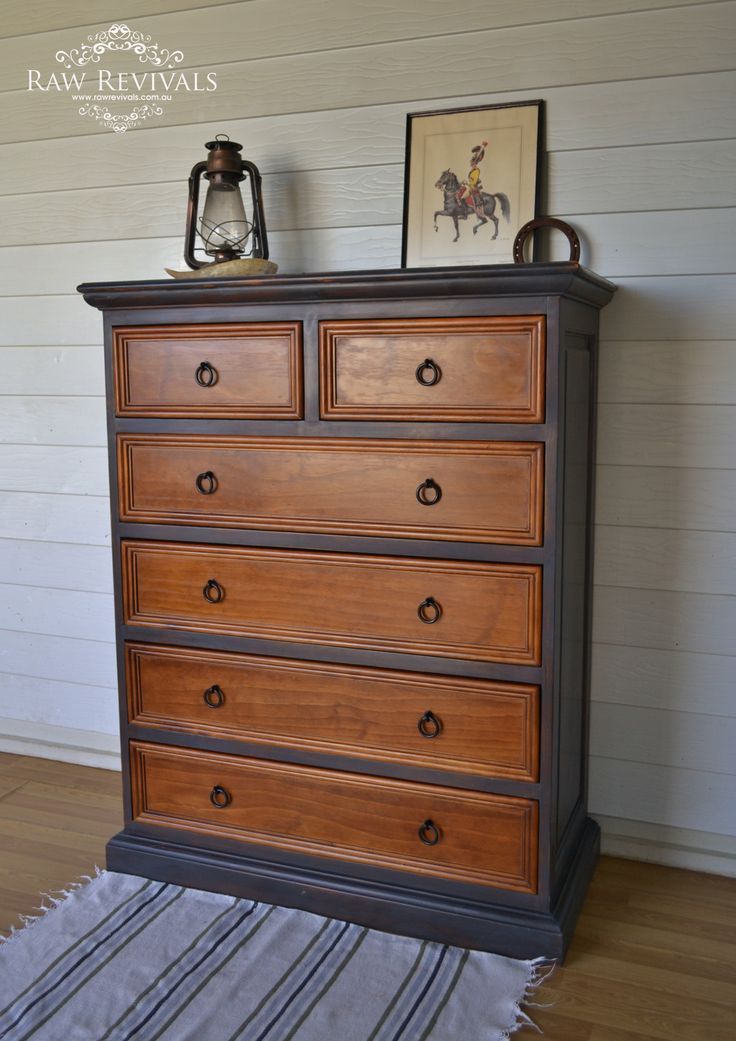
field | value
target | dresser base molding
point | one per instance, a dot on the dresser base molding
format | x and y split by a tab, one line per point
514	932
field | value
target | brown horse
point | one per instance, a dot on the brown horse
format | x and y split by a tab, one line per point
459	210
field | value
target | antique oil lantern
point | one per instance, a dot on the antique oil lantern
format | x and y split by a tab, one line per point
224	228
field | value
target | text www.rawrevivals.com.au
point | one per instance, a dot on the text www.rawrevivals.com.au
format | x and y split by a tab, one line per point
121	97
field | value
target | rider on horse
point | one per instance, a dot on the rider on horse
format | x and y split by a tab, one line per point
470	189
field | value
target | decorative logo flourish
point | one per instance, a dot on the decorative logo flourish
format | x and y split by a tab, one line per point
119	37
121	65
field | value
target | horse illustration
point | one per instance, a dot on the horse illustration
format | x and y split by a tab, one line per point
460	210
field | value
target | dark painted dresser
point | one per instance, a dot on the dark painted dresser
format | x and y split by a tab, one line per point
351	527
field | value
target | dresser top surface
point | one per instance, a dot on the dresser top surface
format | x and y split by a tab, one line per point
536	279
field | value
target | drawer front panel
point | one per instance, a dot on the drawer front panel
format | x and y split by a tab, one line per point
488	612
470	491
469	836
251	371
437	722
435	369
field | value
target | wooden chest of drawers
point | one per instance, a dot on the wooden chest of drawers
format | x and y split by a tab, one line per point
352	544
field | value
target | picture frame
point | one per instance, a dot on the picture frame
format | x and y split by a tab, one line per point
472	179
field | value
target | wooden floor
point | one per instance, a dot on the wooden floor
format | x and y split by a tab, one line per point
654	955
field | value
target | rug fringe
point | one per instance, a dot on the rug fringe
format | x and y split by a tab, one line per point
55	898
540	970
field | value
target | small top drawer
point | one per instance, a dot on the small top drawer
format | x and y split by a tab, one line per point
243	371
471	370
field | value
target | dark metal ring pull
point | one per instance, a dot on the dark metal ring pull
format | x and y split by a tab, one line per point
206	483
214	696
206	374
213	592
429	833
429	493
429	611
435	373
220	797
429	726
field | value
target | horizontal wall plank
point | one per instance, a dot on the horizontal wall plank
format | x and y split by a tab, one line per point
52	370
52	320
666	497
688	307
618	243
677	739
667	435
56	565
57	612
58	658
309	199
663	795
602	117
335	249
649	558
297	251
593	50
652	177
673	846
55	703
234	32
678	680
46	15
663	619
51	468
686	372
53	421
80	519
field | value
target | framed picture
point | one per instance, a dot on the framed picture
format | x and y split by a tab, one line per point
471	180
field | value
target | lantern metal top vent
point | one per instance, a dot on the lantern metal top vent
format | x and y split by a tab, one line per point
236	244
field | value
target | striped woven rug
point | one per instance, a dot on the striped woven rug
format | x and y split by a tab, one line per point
122	957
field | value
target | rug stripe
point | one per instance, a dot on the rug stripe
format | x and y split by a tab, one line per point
99	966
422	994
442	1004
268	999
428	1004
87	954
315	973
208	979
184	975
139	1001
77	943
400	992
433	952
328	985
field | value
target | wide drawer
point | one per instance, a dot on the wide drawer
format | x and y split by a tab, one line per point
455	609
428	830
487	369
438	722
464	490
243	371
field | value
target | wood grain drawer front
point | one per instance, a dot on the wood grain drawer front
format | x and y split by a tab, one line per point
436	369
488	612
471	491
245	371
437	722
475	837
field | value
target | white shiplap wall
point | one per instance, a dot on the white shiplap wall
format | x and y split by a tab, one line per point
641	137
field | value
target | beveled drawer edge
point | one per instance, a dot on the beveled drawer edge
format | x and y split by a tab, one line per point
527	694
532	451
331	409
530	654
294	409
527	809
